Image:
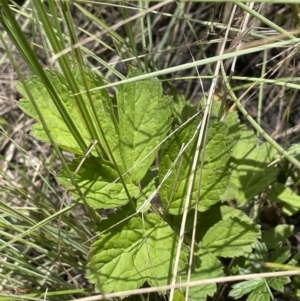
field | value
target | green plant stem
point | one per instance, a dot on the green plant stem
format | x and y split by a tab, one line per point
296	13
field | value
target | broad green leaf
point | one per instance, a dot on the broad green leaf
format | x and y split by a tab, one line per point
133	252
206	266
278	234
215	214
287	198
251	169
144	120
231	237
54	121
97	181
215	174
104	110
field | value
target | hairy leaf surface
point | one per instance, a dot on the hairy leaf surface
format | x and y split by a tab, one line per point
144	121
55	123
206	266
231	237
133	252
215	174
97	180
251	170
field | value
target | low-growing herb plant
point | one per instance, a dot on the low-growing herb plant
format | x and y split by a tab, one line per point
139	166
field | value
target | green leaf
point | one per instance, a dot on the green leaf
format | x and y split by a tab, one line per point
278	234
135	251
251	169
178	296
231	119
183	109
294	150
261	255
144	121
257	287
215	214
286	197
54	121
278	283
215	174
206	266
97	181
231	237
280	254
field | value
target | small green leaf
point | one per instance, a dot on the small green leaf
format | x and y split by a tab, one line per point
255	261
97	181
256	287
231	237
215	174
261	255
144	121
178	296
251	170
278	234
286	197
3	121
133	252
294	150
278	283
280	254
206	266
259	289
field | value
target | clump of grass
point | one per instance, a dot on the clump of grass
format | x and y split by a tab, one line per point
195	49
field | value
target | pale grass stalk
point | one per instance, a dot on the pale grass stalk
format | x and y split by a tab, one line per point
247	48
189	284
202	138
240	37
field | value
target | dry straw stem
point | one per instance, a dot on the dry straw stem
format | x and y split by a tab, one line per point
264	41
190	284
116	26
202	136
